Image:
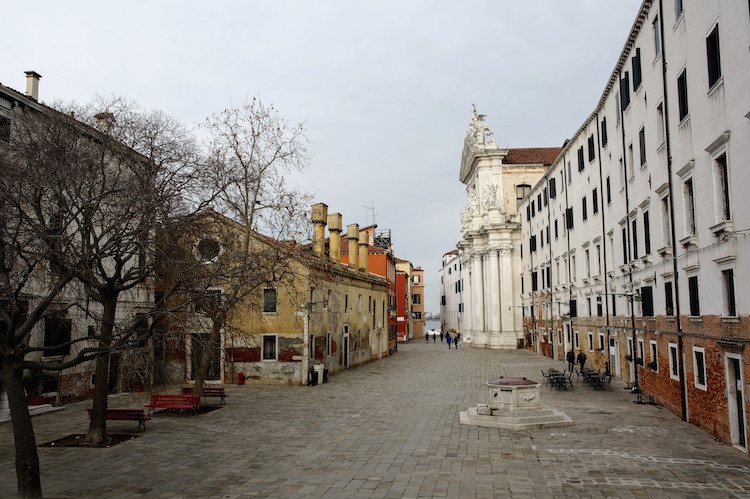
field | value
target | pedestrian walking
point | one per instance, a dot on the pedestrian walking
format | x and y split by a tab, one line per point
571	358
441	336
434	337
426	337
581	358
448	340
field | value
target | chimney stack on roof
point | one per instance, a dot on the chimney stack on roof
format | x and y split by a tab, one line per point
334	228
364	246
352	236
319	216
32	84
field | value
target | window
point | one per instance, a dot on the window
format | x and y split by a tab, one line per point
578	342
556	232
534	281
668	299
634	234
722	188
570	173
587	260
602	345
532	244
614	305
544	196
592	148
569	218
695	308
528	212
604	132
646	233
573	307
636	63
654	360
580	159
584	213
269	300
57	330
591	341
647	301
625	92
660	130
657	36
631	163
665	223
4	128
641	351
521	191
609	191
682	95
595	201
624	245
359	304
730	303
269	347
346	302
689	207
699	367
539	202
677	9
552	189
714	60
674	367
599	310
642	145
598	259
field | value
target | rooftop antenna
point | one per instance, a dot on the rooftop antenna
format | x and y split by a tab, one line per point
369	209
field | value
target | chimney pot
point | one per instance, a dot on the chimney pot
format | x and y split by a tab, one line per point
334	228
319	216
352	236
32	84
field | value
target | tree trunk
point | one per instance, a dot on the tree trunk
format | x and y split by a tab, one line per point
97	432
200	376
27	459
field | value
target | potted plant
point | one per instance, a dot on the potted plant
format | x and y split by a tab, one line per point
652	365
629	358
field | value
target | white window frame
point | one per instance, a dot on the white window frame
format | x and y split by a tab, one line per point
702	351
674	368
591	341
577	339
602	344
641	351
276	348
654	354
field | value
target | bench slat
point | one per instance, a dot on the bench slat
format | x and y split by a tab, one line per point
125	414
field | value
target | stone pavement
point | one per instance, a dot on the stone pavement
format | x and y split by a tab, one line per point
390	429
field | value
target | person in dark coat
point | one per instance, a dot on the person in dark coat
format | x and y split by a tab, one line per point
581	359
448	340
571	358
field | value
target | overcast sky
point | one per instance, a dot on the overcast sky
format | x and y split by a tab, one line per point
385	88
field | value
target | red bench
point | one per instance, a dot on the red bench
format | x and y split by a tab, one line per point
208	391
170	401
122	414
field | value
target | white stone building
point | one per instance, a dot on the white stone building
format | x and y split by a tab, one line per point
635	239
495	179
452	294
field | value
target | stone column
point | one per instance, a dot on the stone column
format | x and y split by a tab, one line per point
479	335
509	333
493	287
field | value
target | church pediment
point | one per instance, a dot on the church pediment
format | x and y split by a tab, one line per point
479	142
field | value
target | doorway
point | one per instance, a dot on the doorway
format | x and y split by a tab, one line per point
345	352
735	402
614	356
199	342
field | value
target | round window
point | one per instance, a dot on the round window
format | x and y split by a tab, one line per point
208	249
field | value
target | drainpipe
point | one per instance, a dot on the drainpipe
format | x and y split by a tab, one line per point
627	232
603	256
567	242
675	281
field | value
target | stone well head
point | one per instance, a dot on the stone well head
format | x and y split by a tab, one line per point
509	394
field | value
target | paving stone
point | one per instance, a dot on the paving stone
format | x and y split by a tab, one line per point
390	429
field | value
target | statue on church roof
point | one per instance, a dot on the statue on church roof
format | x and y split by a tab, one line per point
479	132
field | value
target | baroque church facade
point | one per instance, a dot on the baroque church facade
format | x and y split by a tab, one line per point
490	248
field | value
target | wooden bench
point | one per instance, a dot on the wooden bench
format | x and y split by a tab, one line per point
208	391
122	414
170	401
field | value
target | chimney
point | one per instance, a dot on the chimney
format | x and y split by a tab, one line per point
319	216
104	122
352	235
32	84
334	229
364	246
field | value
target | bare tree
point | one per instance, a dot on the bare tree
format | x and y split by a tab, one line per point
252	150
82	199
